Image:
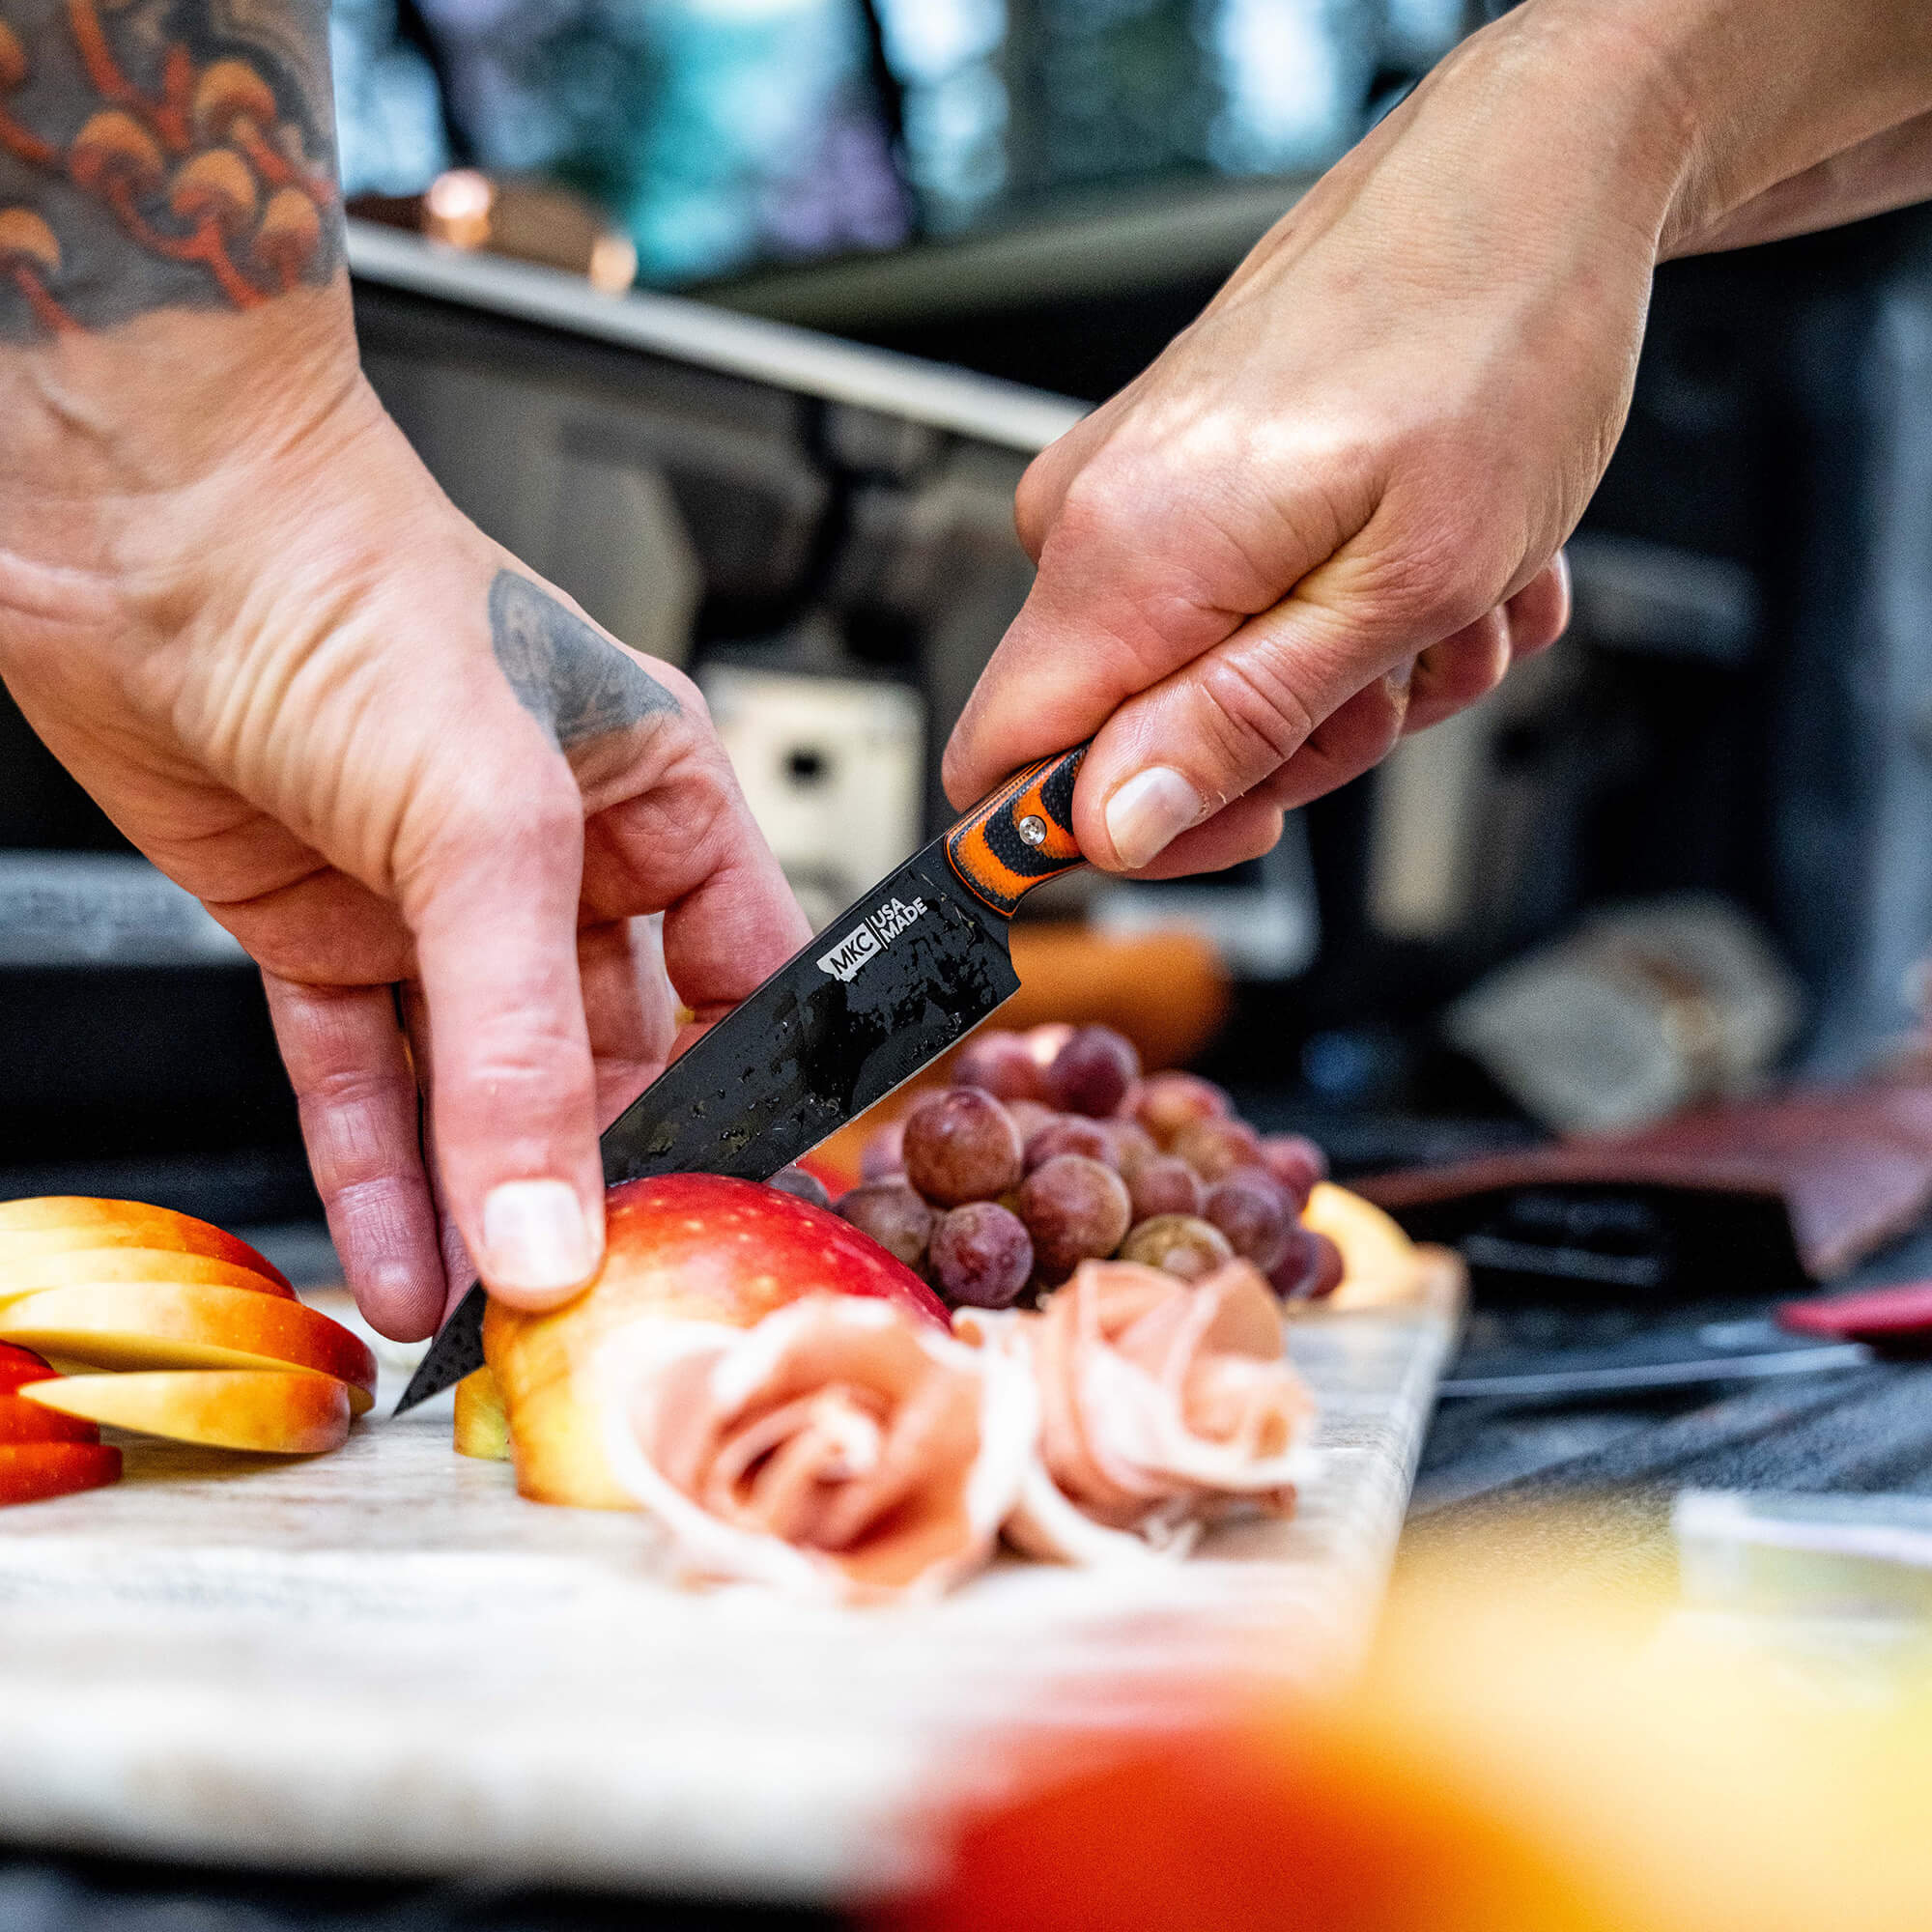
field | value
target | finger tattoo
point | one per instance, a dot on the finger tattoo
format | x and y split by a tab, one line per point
576	684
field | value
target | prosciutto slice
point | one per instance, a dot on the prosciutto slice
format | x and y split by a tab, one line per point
1163	1403
837	1448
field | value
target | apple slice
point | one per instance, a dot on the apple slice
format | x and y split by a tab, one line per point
158	1324
50	1224
24	1421
282	1411
20	1278
482	1423
30	1472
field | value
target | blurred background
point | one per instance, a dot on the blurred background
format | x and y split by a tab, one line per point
741	319
1676	857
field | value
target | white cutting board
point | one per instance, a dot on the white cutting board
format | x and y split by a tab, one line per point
384	1659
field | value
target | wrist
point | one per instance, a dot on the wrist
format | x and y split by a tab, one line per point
1596	120
132	456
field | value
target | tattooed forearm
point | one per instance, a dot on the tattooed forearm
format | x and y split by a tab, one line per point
161	154
576	684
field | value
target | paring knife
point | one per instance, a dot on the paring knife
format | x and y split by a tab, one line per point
907	971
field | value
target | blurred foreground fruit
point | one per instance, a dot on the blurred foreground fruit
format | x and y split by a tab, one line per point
694	1245
1548	1757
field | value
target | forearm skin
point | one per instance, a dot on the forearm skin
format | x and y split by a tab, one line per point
1795	114
172	288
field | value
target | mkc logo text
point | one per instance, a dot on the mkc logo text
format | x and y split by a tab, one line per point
867	940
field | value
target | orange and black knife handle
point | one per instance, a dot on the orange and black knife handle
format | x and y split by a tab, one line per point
1019	836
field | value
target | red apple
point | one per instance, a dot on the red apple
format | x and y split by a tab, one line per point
31	1472
279	1411
56	1223
689	1244
24	1421
157	1325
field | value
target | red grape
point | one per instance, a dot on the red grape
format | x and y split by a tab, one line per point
1253	1211
1028	1118
960	1146
1132	1143
981	1255
1069	1133
1311	1268
803	1183
1296	1162
884	1154
1216	1149
1000	1063
1076	1210
1166	1102
1090	1074
893	1213
1044	1041
1163	1185
1183	1244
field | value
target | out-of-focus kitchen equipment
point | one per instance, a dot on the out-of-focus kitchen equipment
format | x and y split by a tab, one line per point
1646	1010
1749	1197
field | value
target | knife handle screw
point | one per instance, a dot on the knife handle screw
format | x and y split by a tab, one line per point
1033	830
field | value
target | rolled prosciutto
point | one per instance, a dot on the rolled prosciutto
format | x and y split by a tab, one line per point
838	1448
1163	1404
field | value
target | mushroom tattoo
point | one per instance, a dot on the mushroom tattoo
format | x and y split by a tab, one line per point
207	172
30	256
15	139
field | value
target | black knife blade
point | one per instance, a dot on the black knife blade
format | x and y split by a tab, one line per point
906	971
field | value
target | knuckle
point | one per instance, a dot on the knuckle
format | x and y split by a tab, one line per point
1035	500
518	1064
1255	714
1098	507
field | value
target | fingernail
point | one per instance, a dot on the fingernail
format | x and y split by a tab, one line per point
535	1238
1147	813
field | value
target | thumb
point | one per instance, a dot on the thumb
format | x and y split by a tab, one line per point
1332	658
512	1088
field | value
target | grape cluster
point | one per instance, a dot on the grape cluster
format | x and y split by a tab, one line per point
1050	1149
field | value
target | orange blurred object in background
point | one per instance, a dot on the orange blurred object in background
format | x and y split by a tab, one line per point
1517	1757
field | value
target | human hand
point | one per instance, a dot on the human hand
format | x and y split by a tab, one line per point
1332	510
424	792
383	754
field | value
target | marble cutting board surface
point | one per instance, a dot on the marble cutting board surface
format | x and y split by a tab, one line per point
384	1661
